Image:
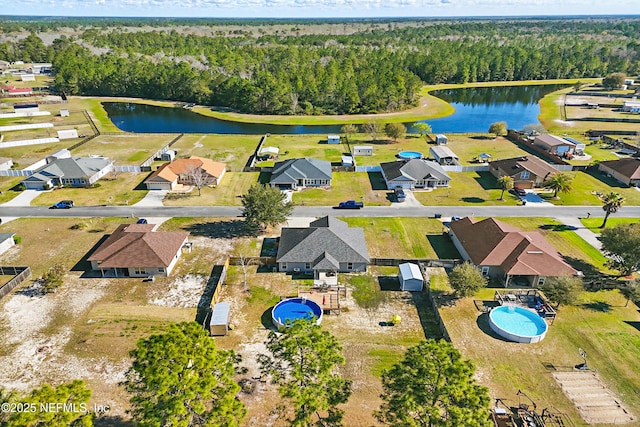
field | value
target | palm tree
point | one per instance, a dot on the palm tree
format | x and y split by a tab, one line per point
505	183
611	202
559	183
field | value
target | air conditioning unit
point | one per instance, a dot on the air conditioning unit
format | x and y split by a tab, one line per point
296	270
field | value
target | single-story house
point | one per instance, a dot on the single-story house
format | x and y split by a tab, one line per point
333	139
631	107
270	152
69	172
6	242
135	250
629	82
414	173
527	172
506	254
362	150
180	171
410	277
626	171
327	247
443	155
441	139
300	173
554	144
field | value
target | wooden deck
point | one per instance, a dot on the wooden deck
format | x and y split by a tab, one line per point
328	299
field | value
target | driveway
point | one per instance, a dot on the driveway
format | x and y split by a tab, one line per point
410	201
533	198
153	198
24	198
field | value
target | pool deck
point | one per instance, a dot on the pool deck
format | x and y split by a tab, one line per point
526	298
328	300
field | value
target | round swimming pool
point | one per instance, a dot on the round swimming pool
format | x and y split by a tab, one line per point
517	324
410	155
295	308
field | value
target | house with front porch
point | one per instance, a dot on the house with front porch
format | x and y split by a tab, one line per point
414	173
292	174
69	172
325	248
506	254
526	171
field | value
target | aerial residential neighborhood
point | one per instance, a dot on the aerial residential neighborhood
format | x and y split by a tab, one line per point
234	248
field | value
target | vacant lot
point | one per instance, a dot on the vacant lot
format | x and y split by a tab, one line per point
360	186
126	148
234	150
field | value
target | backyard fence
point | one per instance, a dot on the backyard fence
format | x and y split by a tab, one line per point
436	312
394	262
20	275
460	168
211	292
128	168
13	172
375	168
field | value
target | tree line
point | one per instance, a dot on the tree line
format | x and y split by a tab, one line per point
377	68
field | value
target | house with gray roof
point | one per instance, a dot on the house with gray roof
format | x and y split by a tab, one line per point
325	248
299	173
414	173
69	172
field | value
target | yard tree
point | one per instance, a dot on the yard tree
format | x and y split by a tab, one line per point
505	183
302	363
562	289
349	129
631	291
181	379
559	182
498	128
611	202
433	386
577	86
74	394
265	206
395	130
373	129
424	129
613	81
198	177
466	279
621	245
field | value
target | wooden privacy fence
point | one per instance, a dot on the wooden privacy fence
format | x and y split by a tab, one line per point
394	262
20	275
211	292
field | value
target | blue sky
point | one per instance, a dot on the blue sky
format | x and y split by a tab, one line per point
316	8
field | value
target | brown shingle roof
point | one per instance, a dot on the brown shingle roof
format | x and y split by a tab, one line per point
493	243
533	164
628	167
136	245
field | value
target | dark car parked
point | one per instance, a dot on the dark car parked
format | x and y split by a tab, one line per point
141	221
399	193
519	191
63	204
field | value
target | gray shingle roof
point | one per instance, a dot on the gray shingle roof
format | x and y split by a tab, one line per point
328	237
415	169
289	171
77	167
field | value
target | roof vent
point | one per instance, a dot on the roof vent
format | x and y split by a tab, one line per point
535	252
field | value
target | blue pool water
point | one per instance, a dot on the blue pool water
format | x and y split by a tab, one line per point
295	308
517	324
410	155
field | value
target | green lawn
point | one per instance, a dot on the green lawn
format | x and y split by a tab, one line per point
232	186
360	186
405	237
125	148
6	185
594	224
468	188
599	324
585	185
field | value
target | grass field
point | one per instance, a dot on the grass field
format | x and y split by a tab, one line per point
360	186
586	184
233	185
594	224
599	324
234	150
125	149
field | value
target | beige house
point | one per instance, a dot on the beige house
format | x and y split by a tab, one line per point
626	171
181	171
527	172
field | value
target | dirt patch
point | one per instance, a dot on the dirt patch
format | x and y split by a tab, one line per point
184	291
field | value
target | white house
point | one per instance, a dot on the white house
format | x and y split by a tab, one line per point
410	277
414	173
631	107
362	150
333	139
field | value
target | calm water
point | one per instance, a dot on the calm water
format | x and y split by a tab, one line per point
475	108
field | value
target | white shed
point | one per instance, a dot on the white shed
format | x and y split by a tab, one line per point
64	113
362	150
6	241
410	277
67	134
271	152
441	139
347	161
28	77
219	324
333	139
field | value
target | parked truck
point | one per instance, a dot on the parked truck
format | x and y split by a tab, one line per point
350	204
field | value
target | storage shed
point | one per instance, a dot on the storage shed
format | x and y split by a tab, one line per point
64	113
333	139
347	161
219	324
410	277
270	152
441	139
362	150
443	155
168	156
67	134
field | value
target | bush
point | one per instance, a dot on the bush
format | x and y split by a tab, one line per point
17	240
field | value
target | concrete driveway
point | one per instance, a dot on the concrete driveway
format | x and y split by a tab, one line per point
533	198
153	198
410	201
24	198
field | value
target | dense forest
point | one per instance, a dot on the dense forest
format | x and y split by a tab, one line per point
316	67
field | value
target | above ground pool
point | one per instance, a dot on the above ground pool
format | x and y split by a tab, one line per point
295	308
517	324
410	155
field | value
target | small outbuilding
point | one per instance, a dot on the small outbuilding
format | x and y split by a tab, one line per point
362	150
219	324
441	139
7	241
67	134
333	139
64	113
444	155
410	277
347	161
270	152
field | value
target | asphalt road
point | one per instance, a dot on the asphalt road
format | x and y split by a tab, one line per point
316	211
